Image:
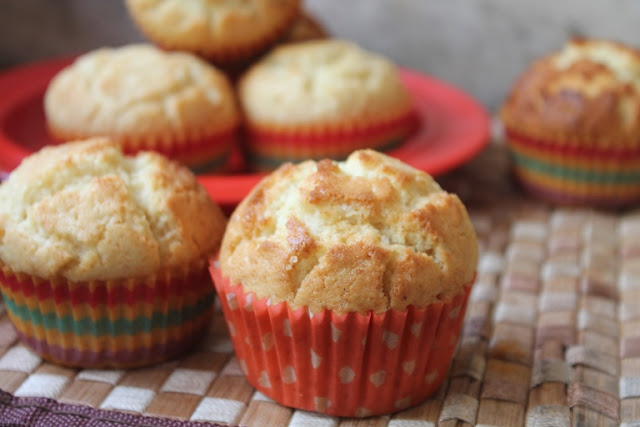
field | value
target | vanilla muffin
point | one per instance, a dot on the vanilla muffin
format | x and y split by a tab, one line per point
103	257
223	31
147	99
334	277
322	98
572	122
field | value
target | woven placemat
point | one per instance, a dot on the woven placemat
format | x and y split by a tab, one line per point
551	337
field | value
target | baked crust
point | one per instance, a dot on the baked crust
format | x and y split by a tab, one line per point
370	233
140	95
84	211
320	83
225	30
587	94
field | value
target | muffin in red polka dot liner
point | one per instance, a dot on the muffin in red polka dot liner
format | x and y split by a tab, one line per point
344	284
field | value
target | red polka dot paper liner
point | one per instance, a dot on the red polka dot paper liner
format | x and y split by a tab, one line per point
352	365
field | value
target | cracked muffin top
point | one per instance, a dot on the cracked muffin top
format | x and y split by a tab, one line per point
322	81
366	234
140	92
83	211
587	93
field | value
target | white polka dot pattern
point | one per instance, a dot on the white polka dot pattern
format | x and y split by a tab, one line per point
398	357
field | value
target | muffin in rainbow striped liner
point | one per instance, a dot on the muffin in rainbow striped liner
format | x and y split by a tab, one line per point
572	123
344	284
322	99
104	257
147	99
226	32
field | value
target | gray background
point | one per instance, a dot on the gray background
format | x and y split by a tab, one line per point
477	45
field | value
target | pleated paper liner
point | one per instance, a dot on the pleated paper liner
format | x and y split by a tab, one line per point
352	365
115	323
570	174
201	152
267	148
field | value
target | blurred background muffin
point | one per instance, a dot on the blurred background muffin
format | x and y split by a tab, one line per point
501	37
104	257
326	269
225	31
332	98
147	99
572	123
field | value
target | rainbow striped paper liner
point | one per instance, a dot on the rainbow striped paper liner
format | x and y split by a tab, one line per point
201	153
352	365
118	324
573	174
268	148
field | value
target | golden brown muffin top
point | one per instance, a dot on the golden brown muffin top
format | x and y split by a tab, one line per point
587	93
369	233
140	92
322	81
219	29
84	211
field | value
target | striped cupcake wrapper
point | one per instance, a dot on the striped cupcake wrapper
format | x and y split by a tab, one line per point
204	154
267	148
201	153
571	174
108	323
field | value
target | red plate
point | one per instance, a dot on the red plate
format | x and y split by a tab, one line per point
453	126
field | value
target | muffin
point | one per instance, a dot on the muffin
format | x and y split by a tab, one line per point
322	99
147	99
572	123
224	31
344	284
104	257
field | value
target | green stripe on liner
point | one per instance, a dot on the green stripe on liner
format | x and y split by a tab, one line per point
106	326
210	165
268	162
576	174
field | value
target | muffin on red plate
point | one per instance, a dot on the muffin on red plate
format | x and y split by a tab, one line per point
147	99
225	32
572	124
344	284
104	257
322	99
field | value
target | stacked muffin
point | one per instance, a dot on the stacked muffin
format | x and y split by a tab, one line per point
147	99
178	96
573	124
225	32
321	99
